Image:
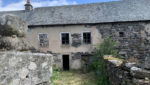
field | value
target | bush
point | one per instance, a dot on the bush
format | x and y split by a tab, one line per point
107	47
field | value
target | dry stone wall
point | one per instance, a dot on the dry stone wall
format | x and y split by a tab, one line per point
20	68
125	73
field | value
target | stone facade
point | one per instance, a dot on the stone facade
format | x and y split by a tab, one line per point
75	49
21	68
133	39
125	73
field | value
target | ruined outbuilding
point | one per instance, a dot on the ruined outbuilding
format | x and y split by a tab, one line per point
72	32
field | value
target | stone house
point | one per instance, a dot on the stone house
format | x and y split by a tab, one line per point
72	32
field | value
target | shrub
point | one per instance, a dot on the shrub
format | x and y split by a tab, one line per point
107	47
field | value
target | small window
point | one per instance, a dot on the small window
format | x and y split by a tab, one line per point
65	38
87	37
43	40
121	34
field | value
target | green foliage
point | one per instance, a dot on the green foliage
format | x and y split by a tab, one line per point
122	57
107	47
56	76
56	69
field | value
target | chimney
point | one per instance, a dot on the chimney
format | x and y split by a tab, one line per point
28	6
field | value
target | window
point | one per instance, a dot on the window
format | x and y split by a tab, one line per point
65	38
43	40
121	34
87	37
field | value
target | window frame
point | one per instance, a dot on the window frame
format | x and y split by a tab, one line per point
39	41
61	37
90	37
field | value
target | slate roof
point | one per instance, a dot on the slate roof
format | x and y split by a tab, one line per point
117	11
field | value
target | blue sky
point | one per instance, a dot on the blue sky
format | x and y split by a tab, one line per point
7	5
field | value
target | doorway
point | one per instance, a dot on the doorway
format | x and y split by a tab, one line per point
65	62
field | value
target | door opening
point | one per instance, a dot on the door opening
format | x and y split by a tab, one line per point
65	62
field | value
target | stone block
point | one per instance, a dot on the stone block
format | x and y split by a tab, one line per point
18	68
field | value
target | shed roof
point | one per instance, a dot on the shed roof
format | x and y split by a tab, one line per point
116	11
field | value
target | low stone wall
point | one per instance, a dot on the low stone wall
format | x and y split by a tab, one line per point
121	73
19	68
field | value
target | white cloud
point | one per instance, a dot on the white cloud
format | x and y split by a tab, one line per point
43	3
52	3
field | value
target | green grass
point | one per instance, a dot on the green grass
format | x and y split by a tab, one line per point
73	78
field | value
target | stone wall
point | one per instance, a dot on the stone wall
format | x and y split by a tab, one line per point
125	73
133	39
24	68
75	59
